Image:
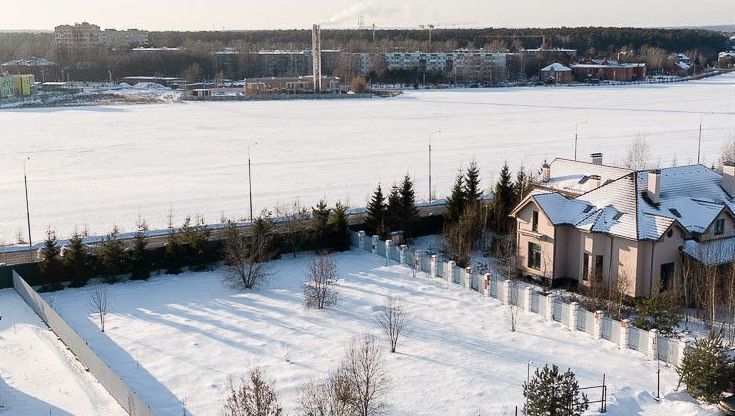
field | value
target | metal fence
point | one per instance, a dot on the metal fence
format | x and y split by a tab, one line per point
126	396
669	350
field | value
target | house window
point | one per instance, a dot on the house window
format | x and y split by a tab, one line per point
667	275
598	266
534	221
534	256
586	267
720	226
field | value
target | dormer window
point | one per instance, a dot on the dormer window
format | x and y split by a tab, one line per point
720	226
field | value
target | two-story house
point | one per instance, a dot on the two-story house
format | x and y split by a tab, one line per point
586	219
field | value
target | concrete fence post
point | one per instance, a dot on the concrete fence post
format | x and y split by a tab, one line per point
573	312
624	333
403	248
486	283
599	316
433	266
550	301
468	277
653	344
388	245
375	244
528	304
449	272
361	240
506	292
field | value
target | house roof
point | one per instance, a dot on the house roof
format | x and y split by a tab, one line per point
572	176
711	252
556	67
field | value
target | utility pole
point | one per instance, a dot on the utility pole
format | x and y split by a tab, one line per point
430	134
699	144
28	211
250	181
576	136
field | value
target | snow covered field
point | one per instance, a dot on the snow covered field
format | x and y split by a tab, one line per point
177	338
101	166
38	376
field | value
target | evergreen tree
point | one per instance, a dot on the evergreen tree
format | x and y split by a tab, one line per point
375	221
139	258
551	392
173	252
111	256
503	201
706	368
76	261
472	190
522	186
320	218
393	211
457	200
50	267
339	228
409	213
661	313
194	238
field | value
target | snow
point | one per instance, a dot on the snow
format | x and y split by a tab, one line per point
38	376
103	166
177	338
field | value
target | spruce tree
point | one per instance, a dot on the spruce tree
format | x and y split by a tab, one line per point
706	368
194	238
393	211
409	213
503	201
375	220
320	220
661	313
76	261
472	190
457	200
139	258
111	256
172	252
522	186
50	267
551	392
339	230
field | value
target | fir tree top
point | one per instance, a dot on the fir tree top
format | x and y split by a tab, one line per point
472	189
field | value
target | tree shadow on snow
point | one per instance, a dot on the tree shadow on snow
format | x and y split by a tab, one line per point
13	401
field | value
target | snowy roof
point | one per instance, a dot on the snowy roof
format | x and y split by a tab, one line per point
561	210
712	252
29	62
556	67
572	176
683	65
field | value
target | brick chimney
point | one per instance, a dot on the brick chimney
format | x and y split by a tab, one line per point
596	158
728	178
545	172
654	186
594	181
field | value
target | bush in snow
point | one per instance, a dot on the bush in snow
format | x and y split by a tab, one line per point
364	370
551	392
660	313
173	251
194	239
253	397
393	321
99	303
334	396
111	256
706	368
50	266
139	256
321	280
246	257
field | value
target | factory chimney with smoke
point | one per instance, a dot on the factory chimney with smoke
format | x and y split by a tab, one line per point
316	55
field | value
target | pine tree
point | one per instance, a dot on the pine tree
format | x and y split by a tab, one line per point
50	267
320	219
194	238
409	212
339	228
472	190
375	221
551	392
457	200
522	186
76	261
706	368
661	313
173	251
139	258
111	256
393	211
503	201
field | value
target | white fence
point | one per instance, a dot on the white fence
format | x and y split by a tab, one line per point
127	397
530	299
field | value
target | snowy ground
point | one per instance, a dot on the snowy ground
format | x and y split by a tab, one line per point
102	166
38	376
177	338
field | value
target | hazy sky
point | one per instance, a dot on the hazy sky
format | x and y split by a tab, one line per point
248	14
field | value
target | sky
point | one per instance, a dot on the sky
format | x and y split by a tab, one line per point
285	14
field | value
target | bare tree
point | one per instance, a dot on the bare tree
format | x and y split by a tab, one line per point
255	397
513	317
728	153
364	370
393	320
99	302
638	153
334	396
619	291
246	257
321	280
295	225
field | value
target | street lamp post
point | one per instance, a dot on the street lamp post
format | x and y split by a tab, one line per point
576	136
250	181
28	211
430	134
699	143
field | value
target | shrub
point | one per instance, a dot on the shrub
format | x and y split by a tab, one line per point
706	368
551	392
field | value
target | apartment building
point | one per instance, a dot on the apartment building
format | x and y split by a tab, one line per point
586	219
84	36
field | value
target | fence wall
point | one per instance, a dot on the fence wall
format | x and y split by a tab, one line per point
126	396
529	298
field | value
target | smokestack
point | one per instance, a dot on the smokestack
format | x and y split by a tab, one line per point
594	181
654	186
316	57
545	172
596	158
728	178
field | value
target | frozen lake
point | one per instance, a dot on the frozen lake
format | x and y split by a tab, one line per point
103	166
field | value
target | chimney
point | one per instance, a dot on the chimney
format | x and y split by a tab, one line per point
594	181
596	158
728	178
545	172
654	185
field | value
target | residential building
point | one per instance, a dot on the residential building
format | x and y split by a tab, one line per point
279	63
609	70
85	36
726	59
289	85
588	220
123	39
680	65
226	62
556	73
